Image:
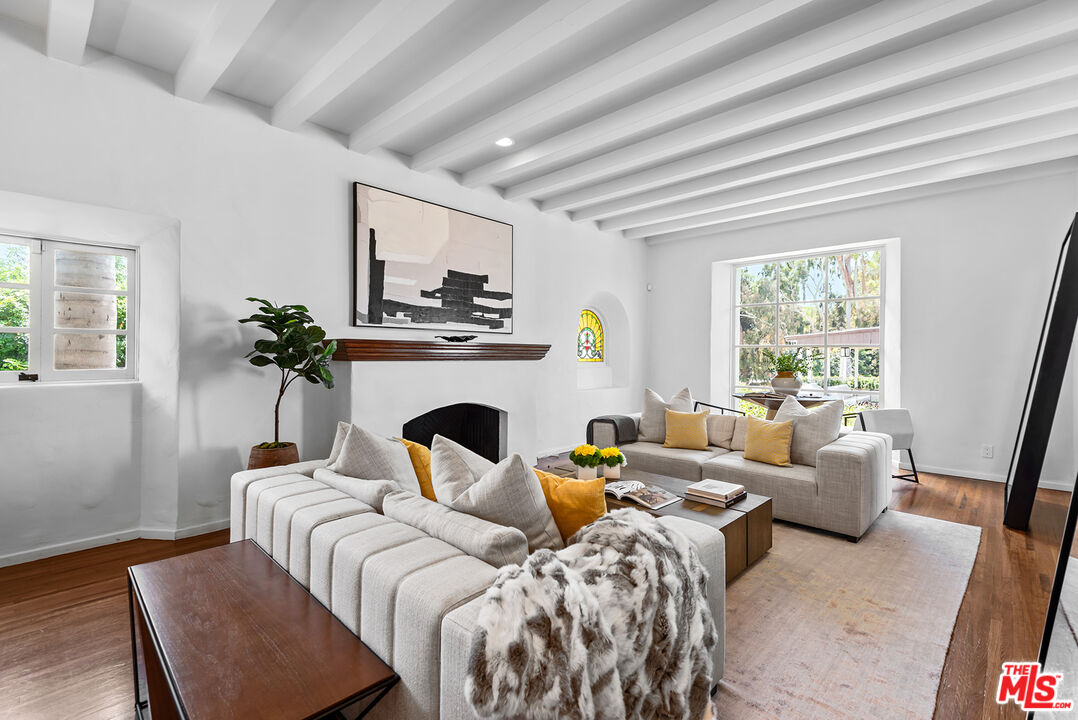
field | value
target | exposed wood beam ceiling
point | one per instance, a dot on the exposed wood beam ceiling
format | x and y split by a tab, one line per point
663	121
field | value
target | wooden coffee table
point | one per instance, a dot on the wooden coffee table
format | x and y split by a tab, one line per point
746	526
226	633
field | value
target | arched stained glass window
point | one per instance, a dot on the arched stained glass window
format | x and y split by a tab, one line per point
589	337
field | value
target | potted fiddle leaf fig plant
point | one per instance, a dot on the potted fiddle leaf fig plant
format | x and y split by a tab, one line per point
787	366
296	351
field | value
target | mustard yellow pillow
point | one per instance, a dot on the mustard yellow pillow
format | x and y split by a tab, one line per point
769	442
420	456
686	430
573	503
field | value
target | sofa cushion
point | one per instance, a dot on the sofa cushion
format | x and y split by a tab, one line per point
741	429
338	441
653	418
789	486
266	502
675	462
720	429
370	492
769	442
497	545
507	493
304	523
284	513
420	456
573	503
371	457
686	430
812	428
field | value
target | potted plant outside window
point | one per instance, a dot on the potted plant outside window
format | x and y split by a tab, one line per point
296	351
787	366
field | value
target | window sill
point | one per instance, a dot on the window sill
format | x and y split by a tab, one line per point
67	383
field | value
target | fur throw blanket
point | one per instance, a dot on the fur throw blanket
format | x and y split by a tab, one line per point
616	625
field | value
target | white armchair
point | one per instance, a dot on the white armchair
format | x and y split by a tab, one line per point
898	423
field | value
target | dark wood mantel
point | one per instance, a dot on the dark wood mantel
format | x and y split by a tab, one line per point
374	350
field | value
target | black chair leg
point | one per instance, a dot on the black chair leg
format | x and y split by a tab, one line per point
912	477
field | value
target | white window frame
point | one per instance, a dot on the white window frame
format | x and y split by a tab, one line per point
42	330
736	304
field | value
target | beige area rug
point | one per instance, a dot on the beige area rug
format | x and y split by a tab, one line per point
825	628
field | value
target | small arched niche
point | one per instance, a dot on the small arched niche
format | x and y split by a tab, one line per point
602	343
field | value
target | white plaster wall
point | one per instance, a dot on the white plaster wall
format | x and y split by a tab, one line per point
975	271
266	212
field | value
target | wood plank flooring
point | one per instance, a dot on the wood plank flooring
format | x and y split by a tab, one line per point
64	642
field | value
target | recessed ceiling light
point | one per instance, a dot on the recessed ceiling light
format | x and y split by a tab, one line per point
504	142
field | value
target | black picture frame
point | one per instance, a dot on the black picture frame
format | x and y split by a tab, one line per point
355	284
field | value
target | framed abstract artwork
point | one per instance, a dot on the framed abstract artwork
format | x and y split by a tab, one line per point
420	265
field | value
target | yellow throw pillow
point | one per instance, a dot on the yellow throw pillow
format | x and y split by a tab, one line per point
573	503
420	455
686	430
769	442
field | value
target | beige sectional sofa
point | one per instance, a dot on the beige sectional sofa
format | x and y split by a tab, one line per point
403	573
844	493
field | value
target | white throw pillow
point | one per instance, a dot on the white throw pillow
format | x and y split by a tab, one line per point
812	428
720	429
653	418
507	493
367	456
338	441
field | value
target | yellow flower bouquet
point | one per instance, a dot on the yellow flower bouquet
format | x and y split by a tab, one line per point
586	456
612	457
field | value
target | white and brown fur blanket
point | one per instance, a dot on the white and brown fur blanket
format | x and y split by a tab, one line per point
616	625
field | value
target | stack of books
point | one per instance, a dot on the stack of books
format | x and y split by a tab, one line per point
715	492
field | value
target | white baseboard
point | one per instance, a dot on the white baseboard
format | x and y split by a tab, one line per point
110	538
67	547
555	451
991	477
192	530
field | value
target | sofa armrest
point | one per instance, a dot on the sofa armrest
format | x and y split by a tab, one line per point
610	430
853	478
711	548
241	480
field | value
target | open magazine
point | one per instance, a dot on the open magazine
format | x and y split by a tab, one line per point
647	496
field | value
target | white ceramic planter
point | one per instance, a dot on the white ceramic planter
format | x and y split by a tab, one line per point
586	473
786	383
612	473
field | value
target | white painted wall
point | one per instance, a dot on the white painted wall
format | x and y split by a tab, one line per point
975	271
262	212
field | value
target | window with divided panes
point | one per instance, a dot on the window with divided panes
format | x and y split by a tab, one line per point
68	311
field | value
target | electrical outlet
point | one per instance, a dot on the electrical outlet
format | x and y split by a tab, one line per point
988	451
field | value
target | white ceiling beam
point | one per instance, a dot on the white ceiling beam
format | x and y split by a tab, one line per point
971	182
1006	160
648	206
839	41
388	25
220	40
970	49
707	28
1041	147
67	29
1004	79
543	30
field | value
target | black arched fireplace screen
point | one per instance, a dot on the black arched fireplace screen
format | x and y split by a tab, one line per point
480	428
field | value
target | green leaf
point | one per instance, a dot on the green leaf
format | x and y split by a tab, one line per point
261	361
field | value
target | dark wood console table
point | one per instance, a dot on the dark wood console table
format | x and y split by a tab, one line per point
226	633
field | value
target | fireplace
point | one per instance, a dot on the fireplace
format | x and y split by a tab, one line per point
480	428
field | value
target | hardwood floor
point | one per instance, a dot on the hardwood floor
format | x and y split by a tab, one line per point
64	642
1002	613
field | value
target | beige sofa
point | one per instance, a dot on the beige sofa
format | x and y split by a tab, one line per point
845	493
403	573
